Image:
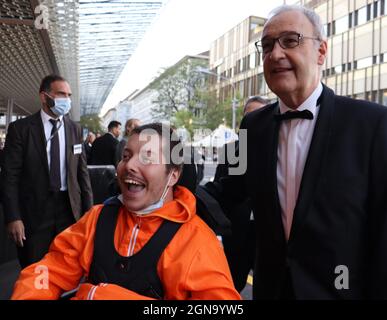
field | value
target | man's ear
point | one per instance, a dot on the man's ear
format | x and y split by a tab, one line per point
43	98
322	52
175	175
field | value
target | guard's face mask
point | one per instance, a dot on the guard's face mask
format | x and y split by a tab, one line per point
59	106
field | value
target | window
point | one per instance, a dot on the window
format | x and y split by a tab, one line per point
252	60
327	29
360	16
333	27
341	25
383	100
343	67
374	96
359	96
363	63
257	59
350	20
368	12
241	65
376	8
349	66
338	69
383	7
261	83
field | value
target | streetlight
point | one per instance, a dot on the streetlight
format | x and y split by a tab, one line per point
234	100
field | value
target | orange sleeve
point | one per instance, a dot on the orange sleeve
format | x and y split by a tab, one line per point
104	291
63	266
209	277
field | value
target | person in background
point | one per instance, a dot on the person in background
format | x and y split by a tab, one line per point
129	126
103	151
239	247
46	185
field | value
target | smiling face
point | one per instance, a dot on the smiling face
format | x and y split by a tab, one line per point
293	73
142	173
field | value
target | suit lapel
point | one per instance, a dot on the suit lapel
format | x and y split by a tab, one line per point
315	160
271	171
37	132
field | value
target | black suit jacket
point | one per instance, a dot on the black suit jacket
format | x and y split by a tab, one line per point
340	216
103	150
25	174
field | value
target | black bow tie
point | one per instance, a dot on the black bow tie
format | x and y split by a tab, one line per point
304	114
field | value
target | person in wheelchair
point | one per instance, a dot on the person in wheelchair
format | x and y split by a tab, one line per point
146	243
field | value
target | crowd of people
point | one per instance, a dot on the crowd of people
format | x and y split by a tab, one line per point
308	216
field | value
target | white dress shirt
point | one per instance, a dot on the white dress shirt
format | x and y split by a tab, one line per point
62	145
294	140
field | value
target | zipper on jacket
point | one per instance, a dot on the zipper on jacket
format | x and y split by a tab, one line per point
133	237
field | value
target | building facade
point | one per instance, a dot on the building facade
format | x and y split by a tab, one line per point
356	64
234	58
141	104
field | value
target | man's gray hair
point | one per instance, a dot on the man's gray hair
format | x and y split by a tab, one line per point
312	16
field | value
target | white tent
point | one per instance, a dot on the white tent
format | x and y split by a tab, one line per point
218	138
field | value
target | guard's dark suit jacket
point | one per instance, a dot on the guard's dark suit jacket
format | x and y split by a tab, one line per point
26	175
340	216
103	150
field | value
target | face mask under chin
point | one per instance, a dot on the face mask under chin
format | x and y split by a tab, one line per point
155	206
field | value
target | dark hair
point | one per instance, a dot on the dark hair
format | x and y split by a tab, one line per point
166	132
129	123
258	99
45	85
113	124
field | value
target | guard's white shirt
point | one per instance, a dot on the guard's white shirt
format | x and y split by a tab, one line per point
294	140
62	145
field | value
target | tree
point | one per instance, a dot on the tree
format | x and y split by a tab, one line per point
91	122
220	112
178	88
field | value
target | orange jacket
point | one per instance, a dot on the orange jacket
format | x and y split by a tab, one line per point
192	266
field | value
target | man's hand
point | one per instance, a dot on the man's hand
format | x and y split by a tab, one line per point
16	232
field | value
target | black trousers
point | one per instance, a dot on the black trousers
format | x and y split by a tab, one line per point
240	252
57	217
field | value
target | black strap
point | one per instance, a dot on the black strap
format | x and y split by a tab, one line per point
138	272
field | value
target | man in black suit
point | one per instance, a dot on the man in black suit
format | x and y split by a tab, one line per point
316	175
46	184
103	151
239	246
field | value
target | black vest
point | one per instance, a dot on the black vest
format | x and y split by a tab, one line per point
137	273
